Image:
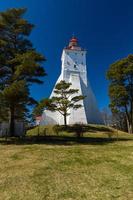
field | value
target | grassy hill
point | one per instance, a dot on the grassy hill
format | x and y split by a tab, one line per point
98	166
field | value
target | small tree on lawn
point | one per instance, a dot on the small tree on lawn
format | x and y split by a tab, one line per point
65	99
62	102
40	106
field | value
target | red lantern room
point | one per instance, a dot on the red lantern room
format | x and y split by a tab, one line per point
73	44
73	41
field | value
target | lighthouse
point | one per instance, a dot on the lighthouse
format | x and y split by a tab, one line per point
74	70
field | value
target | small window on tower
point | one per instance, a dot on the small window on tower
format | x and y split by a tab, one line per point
75	66
68	63
82	54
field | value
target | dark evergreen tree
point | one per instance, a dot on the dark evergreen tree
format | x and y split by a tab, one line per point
120	75
20	63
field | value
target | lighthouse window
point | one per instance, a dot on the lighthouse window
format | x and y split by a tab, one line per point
74	66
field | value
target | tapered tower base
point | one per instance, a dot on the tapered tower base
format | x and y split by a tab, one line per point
74	71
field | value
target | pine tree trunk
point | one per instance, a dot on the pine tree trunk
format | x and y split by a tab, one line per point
12	122
65	120
131	116
129	127
129	121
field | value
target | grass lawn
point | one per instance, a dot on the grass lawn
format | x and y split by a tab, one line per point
61	168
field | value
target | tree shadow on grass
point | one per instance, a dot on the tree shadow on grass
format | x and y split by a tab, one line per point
99	129
61	140
84	128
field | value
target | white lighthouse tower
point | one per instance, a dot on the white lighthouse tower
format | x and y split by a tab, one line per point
74	70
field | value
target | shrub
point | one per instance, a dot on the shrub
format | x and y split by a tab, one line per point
78	129
56	129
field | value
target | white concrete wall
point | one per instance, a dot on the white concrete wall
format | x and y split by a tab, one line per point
79	115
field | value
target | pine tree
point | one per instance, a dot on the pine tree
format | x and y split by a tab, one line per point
120	75
65	99
20	63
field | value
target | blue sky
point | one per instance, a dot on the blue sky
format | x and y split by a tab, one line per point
103	27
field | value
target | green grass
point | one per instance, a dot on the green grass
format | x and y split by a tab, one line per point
94	167
48	130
